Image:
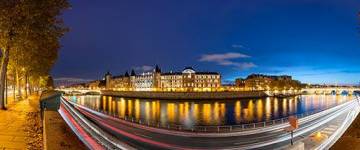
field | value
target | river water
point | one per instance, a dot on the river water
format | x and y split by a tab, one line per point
211	112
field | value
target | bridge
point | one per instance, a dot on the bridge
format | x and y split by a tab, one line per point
75	91
99	130
331	90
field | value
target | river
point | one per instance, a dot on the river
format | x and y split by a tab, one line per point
213	112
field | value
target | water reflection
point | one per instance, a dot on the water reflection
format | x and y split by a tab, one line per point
200	112
238	112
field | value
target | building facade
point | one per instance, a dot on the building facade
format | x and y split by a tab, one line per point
266	82
187	80
172	81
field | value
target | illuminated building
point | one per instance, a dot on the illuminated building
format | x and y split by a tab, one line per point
190	80
239	82
148	81
94	84
172	81
187	80
122	81
266	82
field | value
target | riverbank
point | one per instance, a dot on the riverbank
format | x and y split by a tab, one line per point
56	133
185	95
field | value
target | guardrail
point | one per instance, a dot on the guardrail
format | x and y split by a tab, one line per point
211	129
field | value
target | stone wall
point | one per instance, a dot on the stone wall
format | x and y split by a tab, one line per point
185	95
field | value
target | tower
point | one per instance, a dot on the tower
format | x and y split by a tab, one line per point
157	77
126	80
108	77
132	79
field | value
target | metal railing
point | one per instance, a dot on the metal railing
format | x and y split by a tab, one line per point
212	128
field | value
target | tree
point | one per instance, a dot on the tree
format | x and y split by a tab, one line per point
29	37
8	25
50	83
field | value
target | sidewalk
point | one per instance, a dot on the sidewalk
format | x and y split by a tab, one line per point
13	124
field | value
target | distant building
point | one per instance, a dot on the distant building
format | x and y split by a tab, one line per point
240	82
190	80
271	77
267	82
122	81
94	84
172	81
187	80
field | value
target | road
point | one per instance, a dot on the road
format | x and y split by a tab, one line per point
148	138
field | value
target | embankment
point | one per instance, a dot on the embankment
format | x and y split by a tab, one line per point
185	95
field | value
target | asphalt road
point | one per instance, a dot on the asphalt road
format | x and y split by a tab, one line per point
140	138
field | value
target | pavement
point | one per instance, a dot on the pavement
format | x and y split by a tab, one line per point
13	121
21	128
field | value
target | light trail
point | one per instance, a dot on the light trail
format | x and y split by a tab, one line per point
135	137
78	130
106	140
146	136
299	132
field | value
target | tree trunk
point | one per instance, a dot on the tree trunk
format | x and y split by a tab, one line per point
14	88
3	70
26	85
18	84
30	87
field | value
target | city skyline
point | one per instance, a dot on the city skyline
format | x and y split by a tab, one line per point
248	74
235	39
65	81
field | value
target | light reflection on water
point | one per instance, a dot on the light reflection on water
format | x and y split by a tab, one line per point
201	112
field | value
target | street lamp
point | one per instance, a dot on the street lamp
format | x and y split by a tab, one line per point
318	135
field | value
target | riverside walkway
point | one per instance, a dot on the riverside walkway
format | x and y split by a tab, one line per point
21	127
13	124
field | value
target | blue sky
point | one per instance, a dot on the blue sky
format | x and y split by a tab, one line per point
315	41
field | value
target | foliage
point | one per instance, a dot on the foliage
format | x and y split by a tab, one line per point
30	31
50	83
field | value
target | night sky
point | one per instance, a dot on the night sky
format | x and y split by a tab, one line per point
315	41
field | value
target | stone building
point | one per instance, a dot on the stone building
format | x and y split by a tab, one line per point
267	82
94	84
240	82
187	80
121	81
172	81
190	80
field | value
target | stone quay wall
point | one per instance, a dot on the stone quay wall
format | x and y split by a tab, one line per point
185	95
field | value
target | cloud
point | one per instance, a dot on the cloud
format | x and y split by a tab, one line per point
237	46
144	68
245	65
222	57
226	59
